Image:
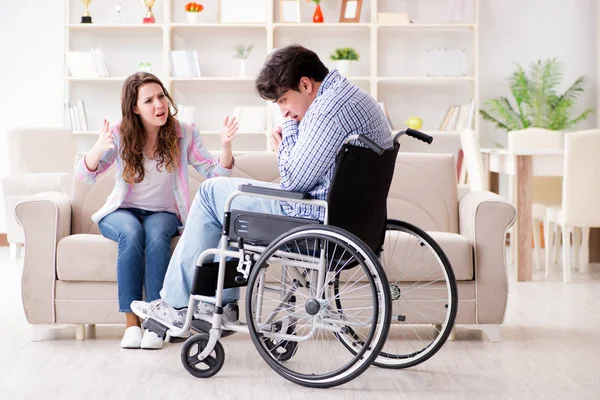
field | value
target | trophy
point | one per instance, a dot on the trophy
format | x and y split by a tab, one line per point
149	18
86	18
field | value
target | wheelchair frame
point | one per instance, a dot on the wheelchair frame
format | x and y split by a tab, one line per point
244	267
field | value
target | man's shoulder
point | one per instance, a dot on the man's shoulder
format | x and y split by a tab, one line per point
337	97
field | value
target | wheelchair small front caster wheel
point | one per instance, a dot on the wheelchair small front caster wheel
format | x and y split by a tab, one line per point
208	367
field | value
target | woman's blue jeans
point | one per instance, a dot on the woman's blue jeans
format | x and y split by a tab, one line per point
144	239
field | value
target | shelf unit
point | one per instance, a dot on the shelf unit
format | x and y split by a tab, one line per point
391	67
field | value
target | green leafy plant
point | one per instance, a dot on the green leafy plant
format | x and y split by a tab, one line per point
538	102
344	54
242	51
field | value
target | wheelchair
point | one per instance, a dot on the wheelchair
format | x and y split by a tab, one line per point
324	301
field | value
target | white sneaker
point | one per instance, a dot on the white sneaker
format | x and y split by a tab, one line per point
151	341
132	338
204	311
169	316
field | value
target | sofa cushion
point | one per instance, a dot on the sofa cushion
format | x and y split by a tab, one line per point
457	248
90	258
424	191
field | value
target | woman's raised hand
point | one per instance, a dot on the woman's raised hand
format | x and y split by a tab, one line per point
105	140
230	127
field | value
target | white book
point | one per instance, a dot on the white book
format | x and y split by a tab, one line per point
82	116
99	56
453	119
197	64
461	120
97	63
90	67
471	117
75	125
174	72
75	65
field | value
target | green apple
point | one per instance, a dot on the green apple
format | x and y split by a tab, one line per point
414	122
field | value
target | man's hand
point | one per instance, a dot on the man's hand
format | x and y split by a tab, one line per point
276	138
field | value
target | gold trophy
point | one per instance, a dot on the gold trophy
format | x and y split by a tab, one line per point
86	18
149	18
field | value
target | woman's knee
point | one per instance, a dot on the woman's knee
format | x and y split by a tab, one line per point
161	228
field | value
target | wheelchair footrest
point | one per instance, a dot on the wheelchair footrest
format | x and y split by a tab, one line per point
202	326
154	326
205	278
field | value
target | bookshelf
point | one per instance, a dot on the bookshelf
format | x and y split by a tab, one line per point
393	64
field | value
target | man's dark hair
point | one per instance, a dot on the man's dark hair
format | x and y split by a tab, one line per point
284	69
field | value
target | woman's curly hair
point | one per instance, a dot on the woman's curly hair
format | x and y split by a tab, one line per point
133	134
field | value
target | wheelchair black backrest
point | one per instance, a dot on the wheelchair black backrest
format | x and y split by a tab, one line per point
358	192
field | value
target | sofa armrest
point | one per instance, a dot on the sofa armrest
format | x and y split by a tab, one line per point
46	219
16	188
484	218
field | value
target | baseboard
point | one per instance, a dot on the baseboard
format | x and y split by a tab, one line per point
3	240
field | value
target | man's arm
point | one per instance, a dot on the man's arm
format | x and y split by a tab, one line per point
306	155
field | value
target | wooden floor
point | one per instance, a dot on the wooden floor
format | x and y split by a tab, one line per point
550	350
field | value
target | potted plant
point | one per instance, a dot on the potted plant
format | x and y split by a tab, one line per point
538	103
344	60
242	52
192	11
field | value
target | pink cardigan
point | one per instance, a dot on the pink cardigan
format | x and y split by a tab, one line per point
192	151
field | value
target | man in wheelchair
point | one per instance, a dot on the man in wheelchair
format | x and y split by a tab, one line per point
321	110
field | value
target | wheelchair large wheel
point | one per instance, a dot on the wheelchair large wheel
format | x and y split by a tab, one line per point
424	296
302	265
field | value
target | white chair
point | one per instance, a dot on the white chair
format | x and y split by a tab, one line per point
38	157
473	160
535	139
580	208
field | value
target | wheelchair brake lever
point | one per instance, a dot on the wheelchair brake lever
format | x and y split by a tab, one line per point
245	265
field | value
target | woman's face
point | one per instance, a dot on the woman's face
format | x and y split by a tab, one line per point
152	105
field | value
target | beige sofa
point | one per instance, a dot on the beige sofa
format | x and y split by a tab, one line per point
38	158
69	274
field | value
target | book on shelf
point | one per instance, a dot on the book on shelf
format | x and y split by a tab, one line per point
184	64
75	117
458	117
87	64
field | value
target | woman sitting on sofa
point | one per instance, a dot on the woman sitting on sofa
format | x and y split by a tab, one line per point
150	201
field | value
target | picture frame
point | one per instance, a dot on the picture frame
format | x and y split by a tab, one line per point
350	10
243	11
289	11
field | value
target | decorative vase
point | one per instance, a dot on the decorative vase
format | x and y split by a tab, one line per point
242	68
192	17
344	67
318	15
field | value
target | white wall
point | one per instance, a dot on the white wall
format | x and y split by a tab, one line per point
31	48
511	31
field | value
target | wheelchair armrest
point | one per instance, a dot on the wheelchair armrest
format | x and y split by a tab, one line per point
286	194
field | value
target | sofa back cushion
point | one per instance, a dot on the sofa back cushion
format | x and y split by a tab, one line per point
423	190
